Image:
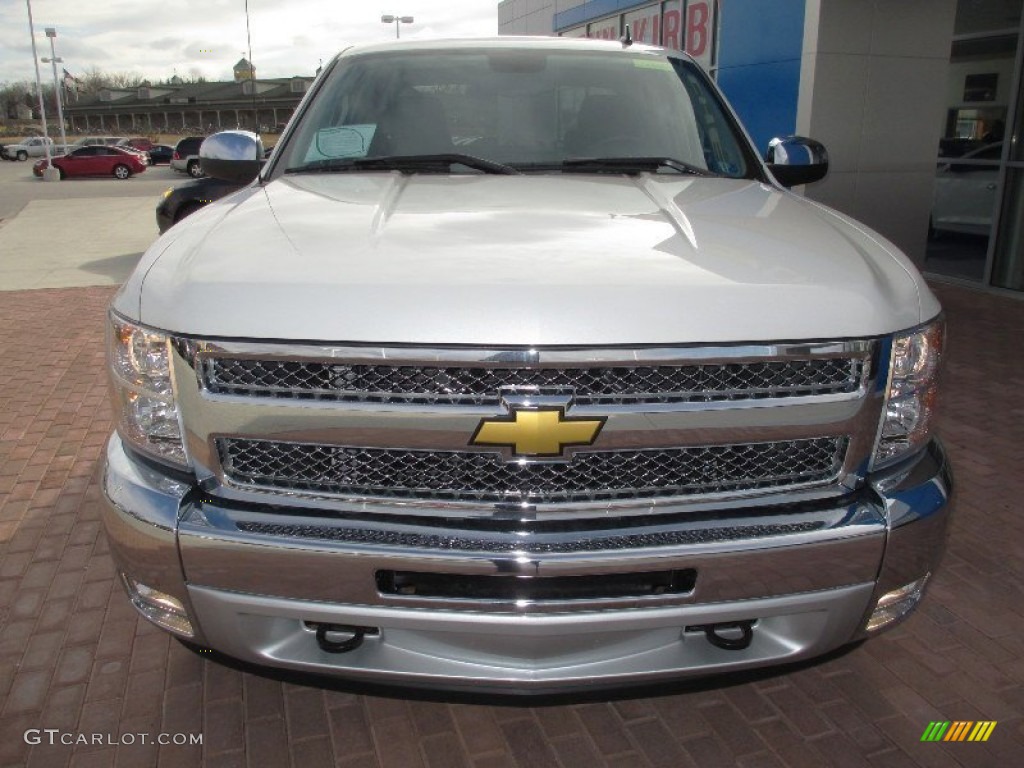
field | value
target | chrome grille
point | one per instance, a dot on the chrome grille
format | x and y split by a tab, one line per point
479	476
456	541
473	385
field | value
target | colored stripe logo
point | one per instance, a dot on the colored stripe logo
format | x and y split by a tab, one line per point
959	730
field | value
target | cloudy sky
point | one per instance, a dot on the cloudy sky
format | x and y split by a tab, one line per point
207	37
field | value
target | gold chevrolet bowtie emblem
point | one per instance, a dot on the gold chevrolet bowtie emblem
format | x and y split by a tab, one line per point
541	432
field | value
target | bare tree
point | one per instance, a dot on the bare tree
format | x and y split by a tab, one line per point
94	79
23	92
13	94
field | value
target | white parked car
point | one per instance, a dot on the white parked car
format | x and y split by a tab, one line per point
965	194
515	368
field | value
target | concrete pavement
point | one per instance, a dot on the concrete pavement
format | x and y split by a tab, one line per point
72	243
76	232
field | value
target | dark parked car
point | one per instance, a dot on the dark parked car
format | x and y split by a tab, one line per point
178	202
160	153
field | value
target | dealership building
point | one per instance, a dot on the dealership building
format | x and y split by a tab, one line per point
179	107
919	103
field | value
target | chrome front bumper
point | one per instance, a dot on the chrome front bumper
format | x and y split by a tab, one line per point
254	582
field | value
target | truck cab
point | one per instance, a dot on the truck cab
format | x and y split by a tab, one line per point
517	368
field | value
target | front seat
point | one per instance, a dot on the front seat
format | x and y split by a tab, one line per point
606	126
414	124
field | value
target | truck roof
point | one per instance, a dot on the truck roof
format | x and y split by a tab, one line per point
507	41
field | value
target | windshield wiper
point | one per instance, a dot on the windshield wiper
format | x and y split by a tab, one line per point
404	163
620	165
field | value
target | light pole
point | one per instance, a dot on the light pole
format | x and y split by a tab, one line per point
49	173
51	33
397	21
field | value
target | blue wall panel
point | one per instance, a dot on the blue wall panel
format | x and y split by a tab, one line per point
759	52
592	9
764	96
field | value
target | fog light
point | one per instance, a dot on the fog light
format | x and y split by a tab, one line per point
895	605
162	609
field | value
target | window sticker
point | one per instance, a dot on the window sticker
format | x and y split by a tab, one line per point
652	64
342	141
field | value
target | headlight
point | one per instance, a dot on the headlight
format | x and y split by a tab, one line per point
140	374
910	399
168	192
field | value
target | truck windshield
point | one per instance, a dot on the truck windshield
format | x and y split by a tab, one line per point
526	109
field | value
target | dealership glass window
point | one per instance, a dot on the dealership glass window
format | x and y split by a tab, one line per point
1016	138
1008	267
963	207
983	16
981	97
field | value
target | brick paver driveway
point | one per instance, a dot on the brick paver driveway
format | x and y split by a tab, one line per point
74	656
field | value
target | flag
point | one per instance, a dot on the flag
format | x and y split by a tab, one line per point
70	83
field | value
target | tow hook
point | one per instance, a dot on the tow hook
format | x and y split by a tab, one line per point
340	638
731	641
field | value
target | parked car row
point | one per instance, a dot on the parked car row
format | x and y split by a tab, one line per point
35	147
123	157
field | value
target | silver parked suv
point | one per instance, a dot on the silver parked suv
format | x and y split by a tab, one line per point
186	156
515	368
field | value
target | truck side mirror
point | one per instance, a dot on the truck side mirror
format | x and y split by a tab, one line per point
234	156
796	160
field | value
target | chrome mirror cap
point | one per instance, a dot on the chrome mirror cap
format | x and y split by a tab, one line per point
796	160
234	156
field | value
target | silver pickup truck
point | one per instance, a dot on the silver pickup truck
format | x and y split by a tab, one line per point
31	147
516	368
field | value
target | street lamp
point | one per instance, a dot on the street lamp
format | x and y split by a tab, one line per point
51	33
49	173
396	20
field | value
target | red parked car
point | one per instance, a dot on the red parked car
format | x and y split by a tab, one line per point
96	161
140	143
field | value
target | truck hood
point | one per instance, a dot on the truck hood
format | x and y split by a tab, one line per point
514	260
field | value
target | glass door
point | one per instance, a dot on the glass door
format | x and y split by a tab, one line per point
974	167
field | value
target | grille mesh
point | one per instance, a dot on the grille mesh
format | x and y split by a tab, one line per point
484	477
464	385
